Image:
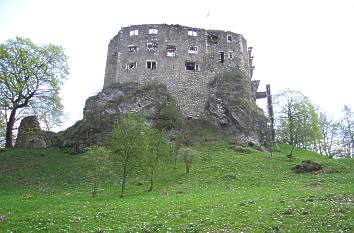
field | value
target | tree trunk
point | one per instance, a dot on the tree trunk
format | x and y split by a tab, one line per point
291	125
187	167
292	149
95	187
176	157
123	181
151	181
9	127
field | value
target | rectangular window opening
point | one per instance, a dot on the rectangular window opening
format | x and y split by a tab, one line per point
229	38
152	47
153	31
231	54
132	48
212	39
171	51
222	57
192	49
151	65
192	66
131	65
192	33
134	32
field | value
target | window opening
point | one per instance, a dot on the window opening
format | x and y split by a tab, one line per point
231	55
222	58
192	33
171	51
152	47
191	66
131	65
134	32
213	39
229	38
192	49
151	65
132	48
153	31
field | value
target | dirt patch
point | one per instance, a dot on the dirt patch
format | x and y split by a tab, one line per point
312	185
2	218
326	171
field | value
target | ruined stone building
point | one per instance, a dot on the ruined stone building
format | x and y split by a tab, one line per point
207	72
185	59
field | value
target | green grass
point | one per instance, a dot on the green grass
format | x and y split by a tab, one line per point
226	191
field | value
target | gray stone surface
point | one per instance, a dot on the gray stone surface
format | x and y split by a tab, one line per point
307	166
30	134
231	106
102	110
188	88
219	90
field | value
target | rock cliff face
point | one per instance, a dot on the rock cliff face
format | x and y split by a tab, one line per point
231	107
102	110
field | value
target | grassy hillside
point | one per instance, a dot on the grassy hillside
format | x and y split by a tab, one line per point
226	191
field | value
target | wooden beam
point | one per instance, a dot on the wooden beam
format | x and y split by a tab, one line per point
261	95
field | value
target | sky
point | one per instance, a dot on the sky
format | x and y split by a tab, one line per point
305	45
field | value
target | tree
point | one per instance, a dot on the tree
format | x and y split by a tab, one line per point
49	115
348	131
30	78
188	154
156	148
329	130
2	128
127	144
97	159
169	117
183	138
296	120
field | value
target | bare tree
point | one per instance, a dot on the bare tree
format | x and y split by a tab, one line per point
348	131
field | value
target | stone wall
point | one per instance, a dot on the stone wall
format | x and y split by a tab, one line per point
30	134
132	54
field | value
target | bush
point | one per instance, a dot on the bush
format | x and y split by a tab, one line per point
169	117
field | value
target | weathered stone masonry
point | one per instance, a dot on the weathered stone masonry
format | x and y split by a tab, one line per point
185	59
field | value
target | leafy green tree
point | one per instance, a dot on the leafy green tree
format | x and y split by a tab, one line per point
98	162
156	147
188	154
296	120
127	143
183	138
49	115
169	117
30	78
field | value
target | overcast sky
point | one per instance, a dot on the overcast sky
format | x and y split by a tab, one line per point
306	45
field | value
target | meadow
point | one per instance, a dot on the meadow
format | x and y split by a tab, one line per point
229	189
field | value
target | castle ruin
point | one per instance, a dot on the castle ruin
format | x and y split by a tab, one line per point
185	59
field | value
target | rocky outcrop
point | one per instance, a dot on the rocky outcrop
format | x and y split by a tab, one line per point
102	110
231	106
30	134
307	166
